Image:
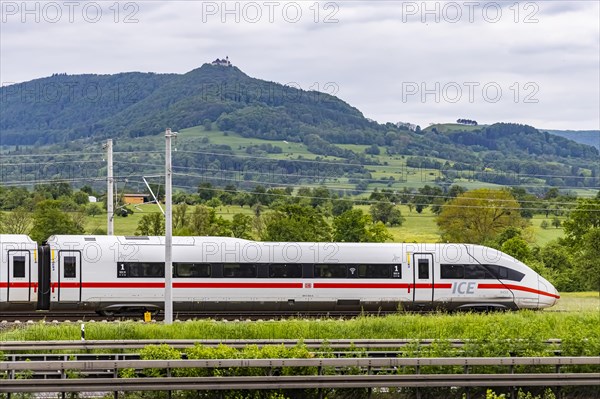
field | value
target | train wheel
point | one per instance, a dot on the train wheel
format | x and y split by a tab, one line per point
107	313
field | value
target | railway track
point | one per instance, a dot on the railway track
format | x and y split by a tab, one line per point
78	316
102	375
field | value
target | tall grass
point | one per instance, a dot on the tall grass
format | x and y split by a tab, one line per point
522	325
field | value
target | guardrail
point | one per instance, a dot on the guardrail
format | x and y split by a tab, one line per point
12	346
367	373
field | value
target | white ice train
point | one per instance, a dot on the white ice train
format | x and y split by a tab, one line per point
110	274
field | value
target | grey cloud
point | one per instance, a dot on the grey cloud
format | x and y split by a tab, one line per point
369	54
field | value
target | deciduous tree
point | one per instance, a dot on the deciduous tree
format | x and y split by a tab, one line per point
205	222
49	219
582	219
16	222
386	213
356	226
241	226
152	224
294	222
479	215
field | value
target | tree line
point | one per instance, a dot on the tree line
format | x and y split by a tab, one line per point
469	122
495	218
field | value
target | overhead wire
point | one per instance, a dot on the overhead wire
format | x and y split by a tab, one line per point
490	200
270	174
310	161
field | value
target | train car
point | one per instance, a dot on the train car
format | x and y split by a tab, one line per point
19	274
111	274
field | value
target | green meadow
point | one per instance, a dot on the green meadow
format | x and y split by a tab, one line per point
575	317
417	227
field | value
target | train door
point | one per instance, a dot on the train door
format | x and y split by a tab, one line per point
423	277
18	276
69	276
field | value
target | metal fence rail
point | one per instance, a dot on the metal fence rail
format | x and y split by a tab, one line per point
300	382
367	373
8	346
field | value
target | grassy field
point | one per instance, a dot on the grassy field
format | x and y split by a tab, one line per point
543	236
389	166
574	324
239	144
122	225
416	227
128	225
578	302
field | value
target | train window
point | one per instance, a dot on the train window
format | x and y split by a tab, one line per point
191	269
374	271
245	270
141	270
480	272
19	267
69	267
505	273
513	274
452	271
499	272
423	269
477	272
285	270
330	271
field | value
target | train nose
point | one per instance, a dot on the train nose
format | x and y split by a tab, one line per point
548	295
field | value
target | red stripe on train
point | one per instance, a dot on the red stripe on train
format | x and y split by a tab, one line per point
516	288
250	285
273	285
361	285
18	285
237	285
381	285
176	285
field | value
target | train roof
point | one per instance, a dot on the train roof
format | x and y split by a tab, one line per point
444	250
12	238
236	249
198	240
141	240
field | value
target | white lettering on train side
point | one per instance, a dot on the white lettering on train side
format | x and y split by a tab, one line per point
464	287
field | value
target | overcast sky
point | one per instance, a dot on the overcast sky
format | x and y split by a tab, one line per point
535	62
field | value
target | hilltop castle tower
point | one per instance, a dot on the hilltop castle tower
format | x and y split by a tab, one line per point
224	62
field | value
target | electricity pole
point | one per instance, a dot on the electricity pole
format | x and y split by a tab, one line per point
168	230
109	189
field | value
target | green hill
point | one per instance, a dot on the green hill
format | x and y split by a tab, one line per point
589	137
223	106
63	107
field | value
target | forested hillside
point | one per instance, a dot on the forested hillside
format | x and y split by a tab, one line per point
65	107
130	107
589	137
